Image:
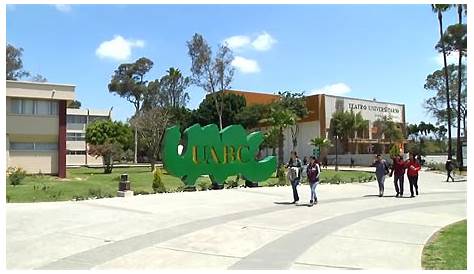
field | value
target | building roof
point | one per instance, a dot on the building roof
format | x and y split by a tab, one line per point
37	90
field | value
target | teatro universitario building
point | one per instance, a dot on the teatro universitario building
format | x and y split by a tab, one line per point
317	123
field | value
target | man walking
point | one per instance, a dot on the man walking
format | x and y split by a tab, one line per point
449	168
294	172
381	169
398	172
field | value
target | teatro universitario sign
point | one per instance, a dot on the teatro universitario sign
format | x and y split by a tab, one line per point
219	154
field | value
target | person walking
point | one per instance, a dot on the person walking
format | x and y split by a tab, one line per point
352	162
325	162
381	169
313	172
398	172
294	165
412	172
449	168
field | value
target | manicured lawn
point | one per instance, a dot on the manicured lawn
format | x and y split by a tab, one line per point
82	183
447	250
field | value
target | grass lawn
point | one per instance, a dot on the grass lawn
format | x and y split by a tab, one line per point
447	250
82	183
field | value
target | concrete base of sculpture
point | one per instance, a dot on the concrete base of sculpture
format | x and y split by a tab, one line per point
127	193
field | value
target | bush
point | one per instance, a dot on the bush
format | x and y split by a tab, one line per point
204	185
158	184
96	192
281	176
141	192
436	166
8	198
16	175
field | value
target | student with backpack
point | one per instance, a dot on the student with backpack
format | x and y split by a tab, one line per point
294	172
313	172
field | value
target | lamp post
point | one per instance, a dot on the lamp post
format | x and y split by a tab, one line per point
336	167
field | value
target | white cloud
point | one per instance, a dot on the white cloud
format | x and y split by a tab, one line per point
450	59
63	8
263	42
334	89
236	42
245	65
119	48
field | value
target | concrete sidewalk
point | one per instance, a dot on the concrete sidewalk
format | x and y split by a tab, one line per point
256	228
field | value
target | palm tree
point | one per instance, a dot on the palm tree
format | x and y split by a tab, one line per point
360	124
319	143
460	51
439	9
281	118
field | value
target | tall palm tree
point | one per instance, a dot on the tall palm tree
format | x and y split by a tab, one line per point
360	125
281	118
439	9
461	7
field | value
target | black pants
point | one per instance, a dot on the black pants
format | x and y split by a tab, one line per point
398	182
413	183
294	184
449	176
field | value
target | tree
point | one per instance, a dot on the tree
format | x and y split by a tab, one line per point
390	129
439	9
250	116
39	78
213	74
435	105
107	139
296	102
341	127
360	125
455	39
281	118
151	125
14	63
128	82
320	143
75	104
271	139
206	112
169	91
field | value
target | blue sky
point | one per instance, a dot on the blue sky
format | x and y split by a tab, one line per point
361	51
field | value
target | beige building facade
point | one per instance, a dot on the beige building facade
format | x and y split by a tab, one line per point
76	146
36	126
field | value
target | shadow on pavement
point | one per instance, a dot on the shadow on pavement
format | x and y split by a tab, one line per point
284	203
375	195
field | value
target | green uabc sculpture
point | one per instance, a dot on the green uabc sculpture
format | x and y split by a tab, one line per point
218	154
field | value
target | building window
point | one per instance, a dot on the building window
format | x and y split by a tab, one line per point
76	152
76	136
34	107
95	118
33	146
76	119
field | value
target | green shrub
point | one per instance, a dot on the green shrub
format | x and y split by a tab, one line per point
96	192
8	198
204	185
141	192
337	179
281	176
16	175
180	188
55	195
78	198
436	166
158	184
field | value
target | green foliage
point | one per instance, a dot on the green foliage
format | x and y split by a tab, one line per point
249	116
108	139
204	185
207	113
16	175
14	63
455	39
391	130
96	193
158	185
281	175
169	92
394	151
75	104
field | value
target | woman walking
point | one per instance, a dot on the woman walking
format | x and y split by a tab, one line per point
381	169
412	172
294	174
313	172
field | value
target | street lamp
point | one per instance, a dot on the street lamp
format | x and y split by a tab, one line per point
336	168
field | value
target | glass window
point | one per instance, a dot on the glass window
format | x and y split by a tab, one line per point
28	107
22	146
46	146
15	106
95	118
75	136
76	119
54	108
76	152
43	107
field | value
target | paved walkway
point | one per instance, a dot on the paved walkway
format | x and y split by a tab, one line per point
256	228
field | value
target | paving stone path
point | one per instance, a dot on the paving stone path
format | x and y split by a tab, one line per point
245	228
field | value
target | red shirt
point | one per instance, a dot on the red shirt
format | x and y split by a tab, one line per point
399	167
415	164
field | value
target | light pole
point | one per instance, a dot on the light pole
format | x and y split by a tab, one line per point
336	167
